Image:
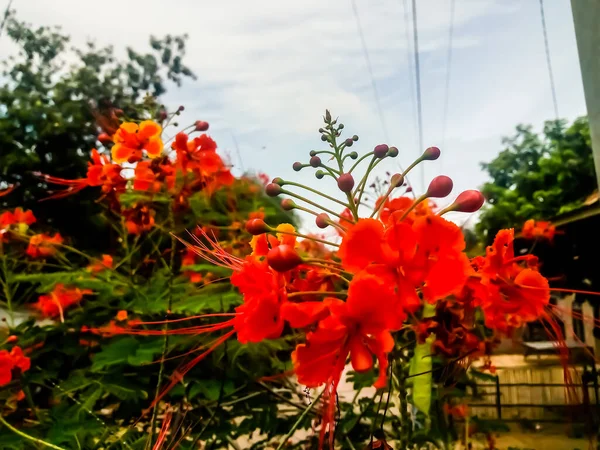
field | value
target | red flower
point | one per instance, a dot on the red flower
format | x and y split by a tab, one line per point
359	328
537	229
139	219
43	245
19	220
10	361
101	173
100	266
56	302
515	292
154	175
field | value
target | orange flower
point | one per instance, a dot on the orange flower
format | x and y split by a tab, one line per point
99	266
122	315
538	229
131	139
54	303
10	361
43	245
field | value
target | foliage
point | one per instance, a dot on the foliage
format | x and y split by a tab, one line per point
538	177
54	97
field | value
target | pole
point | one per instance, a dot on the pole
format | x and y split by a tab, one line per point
586	18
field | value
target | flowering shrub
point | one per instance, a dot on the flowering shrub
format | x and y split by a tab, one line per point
170	330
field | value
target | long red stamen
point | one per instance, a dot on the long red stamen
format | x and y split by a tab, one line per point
213	252
184	369
164	429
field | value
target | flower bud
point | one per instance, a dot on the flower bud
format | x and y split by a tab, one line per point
322	220
341	126
104	138
283	258
273	190
12	339
162	115
380	151
288	204
355	138
440	187
327	116
468	201
312	153
315	161
319	174
349	142
321	130
409	189
397	180
278	181
345	182
353	155
181	108
297	166
324	137
201	125
431	154
256	227
392	152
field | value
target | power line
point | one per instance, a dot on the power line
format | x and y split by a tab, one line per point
418	78
370	69
548	60
409	63
448	72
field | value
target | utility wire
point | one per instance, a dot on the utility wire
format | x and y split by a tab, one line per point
418	78
409	63
370	69
448	72
548	60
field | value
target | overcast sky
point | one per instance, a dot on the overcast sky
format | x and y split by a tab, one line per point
268	69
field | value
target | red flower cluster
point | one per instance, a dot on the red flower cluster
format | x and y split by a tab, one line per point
193	166
536	229
56	302
11	361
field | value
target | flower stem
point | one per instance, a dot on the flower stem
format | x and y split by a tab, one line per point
28	437
298	422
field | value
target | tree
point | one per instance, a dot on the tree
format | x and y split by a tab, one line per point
52	98
538	177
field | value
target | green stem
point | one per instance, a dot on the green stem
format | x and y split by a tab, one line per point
298	422
314	191
310	202
166	327
307	237
28	437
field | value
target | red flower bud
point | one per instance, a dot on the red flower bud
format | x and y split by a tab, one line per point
468	201
345	182
431	154
288	204
278	181
12	339
322	220
380	150
283	258
440	187
201	125
104	138
273	190
256	227
315	161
